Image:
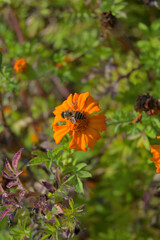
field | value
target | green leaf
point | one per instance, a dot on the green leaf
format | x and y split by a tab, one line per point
80	166
70	178
150	132
50	154
39	153
58	222
71	203
79	185
143	27
48	164
45	237
84	174
38	160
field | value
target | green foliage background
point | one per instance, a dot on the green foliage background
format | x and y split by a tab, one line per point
120	162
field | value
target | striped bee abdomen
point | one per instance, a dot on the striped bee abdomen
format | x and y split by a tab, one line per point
79	115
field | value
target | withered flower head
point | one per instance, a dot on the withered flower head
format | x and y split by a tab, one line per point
148	104
107	20
110	24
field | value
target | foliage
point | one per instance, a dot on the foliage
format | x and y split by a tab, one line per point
50	191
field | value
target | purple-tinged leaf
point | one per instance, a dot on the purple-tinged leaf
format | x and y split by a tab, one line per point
24	238
5	212
1	189
11	217
11	184
8	166
49	186
18	173
6	175
16	159
9	203
22	193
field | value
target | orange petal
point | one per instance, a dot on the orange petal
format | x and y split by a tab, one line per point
59	110
78	142
82	100
91	106
98	122
70	100
58	118
91	137
75	97
60	132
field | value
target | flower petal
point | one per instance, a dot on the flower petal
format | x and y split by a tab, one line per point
97	122
78	142
75	97
82	100
91	106
58	118
70	100
91	137
60	132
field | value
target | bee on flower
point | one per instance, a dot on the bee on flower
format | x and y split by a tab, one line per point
20	65
83	121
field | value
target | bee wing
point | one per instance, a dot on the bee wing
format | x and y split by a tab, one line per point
73	120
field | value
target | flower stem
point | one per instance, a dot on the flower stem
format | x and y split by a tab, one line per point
118	122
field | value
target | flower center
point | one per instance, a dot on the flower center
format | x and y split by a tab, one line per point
79	126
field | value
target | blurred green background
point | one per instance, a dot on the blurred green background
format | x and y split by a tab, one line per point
61	43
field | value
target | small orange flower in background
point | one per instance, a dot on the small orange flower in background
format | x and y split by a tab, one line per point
59	65
83	124
67	59
20	65
155	150
7	110
34	138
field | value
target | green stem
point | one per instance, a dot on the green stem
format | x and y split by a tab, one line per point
118	122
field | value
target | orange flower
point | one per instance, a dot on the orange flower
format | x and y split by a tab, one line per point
59	65
67	59
7	110
34	138
20	65
83	131
155	150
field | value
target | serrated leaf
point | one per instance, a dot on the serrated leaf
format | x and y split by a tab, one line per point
38	160
84	174
80	166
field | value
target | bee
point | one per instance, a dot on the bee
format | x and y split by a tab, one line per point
72	115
